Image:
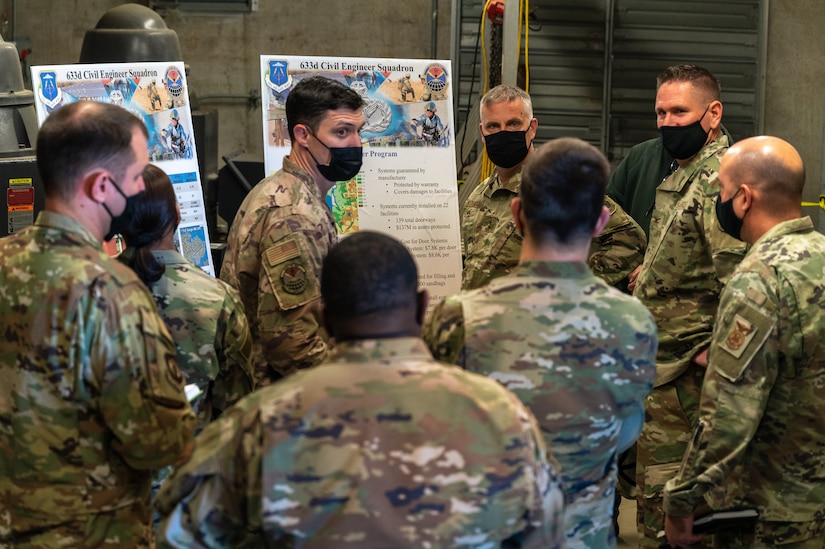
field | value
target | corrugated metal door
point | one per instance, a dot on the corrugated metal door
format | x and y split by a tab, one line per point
593	63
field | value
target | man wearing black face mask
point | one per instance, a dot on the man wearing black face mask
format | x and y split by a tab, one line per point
761	437
92	395
686	264
283	229
492	244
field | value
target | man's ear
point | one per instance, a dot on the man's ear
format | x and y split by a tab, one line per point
518	214
715	112
601	223
421	311
481	133
301	132
95	185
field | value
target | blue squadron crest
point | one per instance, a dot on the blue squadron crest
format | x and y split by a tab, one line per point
49	92
279	78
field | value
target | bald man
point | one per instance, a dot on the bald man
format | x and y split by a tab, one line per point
760	441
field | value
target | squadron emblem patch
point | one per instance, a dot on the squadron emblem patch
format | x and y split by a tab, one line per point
294	278
740	333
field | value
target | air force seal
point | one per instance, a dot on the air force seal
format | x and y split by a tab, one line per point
50	94
278	77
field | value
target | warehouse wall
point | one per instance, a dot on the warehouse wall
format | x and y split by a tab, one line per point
222	53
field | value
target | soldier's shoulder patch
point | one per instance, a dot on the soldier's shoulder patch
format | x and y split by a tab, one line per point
740	332
283	251
288	266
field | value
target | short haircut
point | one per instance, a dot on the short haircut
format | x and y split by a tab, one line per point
81	137
312	97
562	190
506	93
700	77
155	215
368	272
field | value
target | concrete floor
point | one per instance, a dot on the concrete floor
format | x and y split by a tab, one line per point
628	538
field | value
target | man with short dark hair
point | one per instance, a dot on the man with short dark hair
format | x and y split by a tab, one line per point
492	244
688	258
284	229
91	399
577	351
760	441
379	446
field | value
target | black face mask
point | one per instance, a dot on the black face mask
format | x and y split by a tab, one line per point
344	162
682	142
123	222
727	217
506	149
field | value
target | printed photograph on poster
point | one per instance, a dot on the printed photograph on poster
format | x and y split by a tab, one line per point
157	94
407	185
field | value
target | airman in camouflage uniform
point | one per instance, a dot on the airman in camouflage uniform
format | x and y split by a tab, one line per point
283	230
688	258
578	352
91	398
204	315
760	441
492	244
380	446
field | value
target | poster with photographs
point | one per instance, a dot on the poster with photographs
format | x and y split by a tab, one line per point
157	94
407	185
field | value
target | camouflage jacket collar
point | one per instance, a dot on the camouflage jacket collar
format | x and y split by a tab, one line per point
169	257
553	269
393	349
683	175
494	184
63	223
306	178
799	225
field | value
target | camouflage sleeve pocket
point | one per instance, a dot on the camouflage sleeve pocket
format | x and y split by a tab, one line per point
738	339
288	266
164	379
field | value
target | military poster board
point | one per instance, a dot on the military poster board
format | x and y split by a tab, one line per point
157	94
407	185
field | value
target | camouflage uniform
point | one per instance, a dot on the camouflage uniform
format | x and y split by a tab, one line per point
688	258
619	249
206	319
381	446
491	242
280	235
93	397
578	352
761	435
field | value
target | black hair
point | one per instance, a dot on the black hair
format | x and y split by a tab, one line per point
83	136
368	272
312	97
155	215
562	190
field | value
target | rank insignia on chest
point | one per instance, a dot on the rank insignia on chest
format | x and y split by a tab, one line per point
740	333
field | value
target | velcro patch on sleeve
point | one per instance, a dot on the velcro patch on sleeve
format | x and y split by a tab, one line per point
740	333
286	250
